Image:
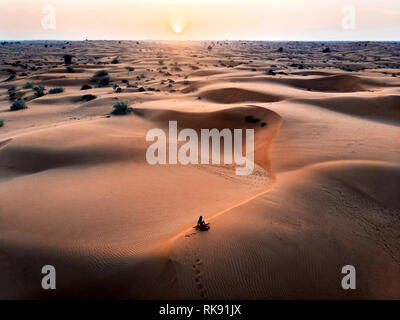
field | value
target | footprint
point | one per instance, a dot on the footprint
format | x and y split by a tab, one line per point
198	278
188	235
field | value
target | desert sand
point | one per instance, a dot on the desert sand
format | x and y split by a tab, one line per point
76	191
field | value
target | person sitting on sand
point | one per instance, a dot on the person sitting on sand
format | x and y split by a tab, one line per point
200	222
202	225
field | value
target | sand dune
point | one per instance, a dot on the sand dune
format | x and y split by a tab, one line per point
298	235
235	95
77	192
383	108
100	148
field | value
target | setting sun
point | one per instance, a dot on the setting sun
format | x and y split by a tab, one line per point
177	23
177	29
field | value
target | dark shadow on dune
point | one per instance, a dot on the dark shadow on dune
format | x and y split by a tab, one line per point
331	83
83	275
30	159
236	95
382	109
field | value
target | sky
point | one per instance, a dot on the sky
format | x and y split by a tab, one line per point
300	20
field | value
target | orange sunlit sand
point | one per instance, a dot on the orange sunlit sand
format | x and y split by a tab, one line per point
76	191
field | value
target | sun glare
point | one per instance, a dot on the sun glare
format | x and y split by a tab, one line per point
177	24
177	28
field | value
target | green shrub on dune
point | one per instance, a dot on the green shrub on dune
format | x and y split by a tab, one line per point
39	91
18	105
28	85
121	108
56	90
101	73
86	87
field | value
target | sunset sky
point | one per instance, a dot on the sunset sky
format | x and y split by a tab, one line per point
201	19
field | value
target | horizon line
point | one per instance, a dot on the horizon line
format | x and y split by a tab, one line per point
181	40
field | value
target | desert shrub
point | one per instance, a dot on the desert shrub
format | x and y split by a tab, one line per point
280	49
130	68
86	87
88	97
326	50
1	123
39	91
70	69
27	85
120	108
160	62
251	119
56	90
115	61
209	48
141	89
18	105
101	73
11	94
67	59
104	81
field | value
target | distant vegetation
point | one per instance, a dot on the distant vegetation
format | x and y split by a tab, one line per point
116	88
11	94
251	119
27	85
70	69
39	91
56	90
88	97
1	123
104	81
67	59
102	77
101	73
121	108
130	68
115	61
18	105
86	87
